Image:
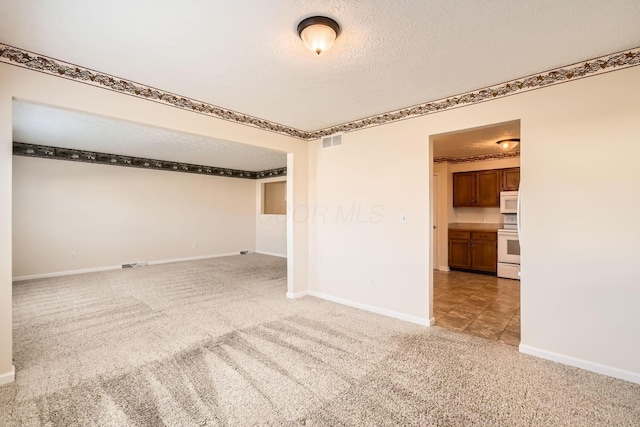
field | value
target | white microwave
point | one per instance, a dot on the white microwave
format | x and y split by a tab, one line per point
509	202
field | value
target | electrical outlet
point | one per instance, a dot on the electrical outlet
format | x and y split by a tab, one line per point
372	284
193	246
72	255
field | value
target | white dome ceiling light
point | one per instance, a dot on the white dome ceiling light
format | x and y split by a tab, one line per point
508	144
318	33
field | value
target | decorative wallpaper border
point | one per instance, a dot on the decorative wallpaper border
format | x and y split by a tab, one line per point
575	71
25	59
478	158
46	152
36	62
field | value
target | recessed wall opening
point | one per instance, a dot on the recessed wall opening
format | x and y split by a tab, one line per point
94	195
148	195
475	256
274	198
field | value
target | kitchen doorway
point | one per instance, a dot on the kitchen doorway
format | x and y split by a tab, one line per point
473	167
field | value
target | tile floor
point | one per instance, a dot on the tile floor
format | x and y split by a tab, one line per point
477	304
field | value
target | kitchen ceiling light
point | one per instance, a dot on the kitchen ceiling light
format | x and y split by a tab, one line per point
508	144
318	33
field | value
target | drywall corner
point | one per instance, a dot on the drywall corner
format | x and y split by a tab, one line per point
8	377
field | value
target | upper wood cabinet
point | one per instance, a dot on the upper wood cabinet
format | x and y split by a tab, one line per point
464	189
488	188
510	179
482	188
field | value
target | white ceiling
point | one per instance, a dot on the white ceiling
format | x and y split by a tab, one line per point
245	55
475	142
37	124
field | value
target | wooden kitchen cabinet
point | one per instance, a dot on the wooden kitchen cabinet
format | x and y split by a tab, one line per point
464	189
482	188
473	250
510	179
459	253
476	189
484	251
488	188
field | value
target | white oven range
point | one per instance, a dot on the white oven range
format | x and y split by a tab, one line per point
509	248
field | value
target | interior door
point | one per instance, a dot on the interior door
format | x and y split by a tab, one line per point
435	262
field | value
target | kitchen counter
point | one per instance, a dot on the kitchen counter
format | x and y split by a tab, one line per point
475	226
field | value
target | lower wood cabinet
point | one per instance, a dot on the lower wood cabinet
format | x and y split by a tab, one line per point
459	249
473	250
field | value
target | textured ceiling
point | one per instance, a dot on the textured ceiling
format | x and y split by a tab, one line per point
475	142
245	55
37	124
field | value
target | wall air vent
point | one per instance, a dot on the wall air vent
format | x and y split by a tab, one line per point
332	141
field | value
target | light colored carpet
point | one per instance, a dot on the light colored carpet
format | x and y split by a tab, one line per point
216	342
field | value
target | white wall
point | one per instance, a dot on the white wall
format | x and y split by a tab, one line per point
37	87
271	230
6	338
363	253
580	284
581	278
111	215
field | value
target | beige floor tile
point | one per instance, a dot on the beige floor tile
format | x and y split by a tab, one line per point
465	306
480	305
456	319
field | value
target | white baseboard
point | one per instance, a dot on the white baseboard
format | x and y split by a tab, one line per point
610	371
8	377
292	295
443	268
373	309
118	267
271	254
67	273
191	258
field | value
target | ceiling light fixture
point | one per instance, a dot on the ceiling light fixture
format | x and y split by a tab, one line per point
508	144
318	33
